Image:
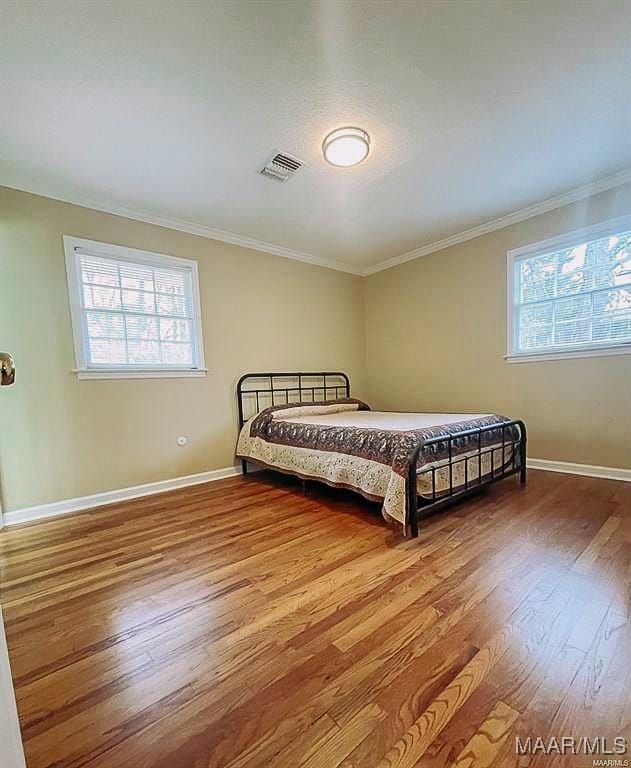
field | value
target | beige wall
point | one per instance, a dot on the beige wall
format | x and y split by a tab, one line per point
61	438
436	336
427	335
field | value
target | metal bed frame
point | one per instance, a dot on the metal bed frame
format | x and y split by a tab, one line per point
266	389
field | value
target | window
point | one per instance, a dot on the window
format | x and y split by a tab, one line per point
134	313
571	296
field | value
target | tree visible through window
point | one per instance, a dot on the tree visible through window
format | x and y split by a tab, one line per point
573	298
133	313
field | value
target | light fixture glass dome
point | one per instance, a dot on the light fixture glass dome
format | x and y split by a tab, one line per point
346	146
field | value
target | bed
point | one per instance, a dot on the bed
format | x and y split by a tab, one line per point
414	464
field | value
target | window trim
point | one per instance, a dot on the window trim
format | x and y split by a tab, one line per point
122	253
567	240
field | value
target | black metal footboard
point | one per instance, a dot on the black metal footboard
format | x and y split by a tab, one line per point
508	437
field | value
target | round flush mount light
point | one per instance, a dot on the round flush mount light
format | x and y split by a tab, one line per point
346	146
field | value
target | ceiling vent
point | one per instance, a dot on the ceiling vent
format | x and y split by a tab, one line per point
281	166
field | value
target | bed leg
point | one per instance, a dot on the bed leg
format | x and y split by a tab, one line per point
411	496
522	453
304	487
244	466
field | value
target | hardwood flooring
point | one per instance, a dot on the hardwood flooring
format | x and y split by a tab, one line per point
242	624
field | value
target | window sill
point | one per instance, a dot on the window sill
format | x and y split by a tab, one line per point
538	357
141	373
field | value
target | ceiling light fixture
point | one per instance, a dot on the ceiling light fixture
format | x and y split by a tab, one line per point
346	146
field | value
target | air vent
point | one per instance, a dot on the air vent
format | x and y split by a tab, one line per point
281	166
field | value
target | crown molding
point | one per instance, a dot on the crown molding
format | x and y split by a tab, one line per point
191	228
558	201
182	225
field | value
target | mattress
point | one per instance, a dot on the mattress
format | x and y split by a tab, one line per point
345	444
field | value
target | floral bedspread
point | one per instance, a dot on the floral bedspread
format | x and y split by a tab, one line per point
373	462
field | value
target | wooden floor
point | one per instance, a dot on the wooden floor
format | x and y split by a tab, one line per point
242	624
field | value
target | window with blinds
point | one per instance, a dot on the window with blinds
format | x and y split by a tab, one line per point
573	298
133	311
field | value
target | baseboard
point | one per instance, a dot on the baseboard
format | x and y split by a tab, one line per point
589	470
66	506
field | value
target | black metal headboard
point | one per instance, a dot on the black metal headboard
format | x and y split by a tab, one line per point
260	390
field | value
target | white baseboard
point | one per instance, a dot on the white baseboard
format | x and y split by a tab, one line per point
64	507
589	470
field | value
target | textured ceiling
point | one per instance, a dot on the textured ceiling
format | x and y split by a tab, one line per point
475	109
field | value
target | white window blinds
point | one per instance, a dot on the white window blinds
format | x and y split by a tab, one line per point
577	297
135	314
